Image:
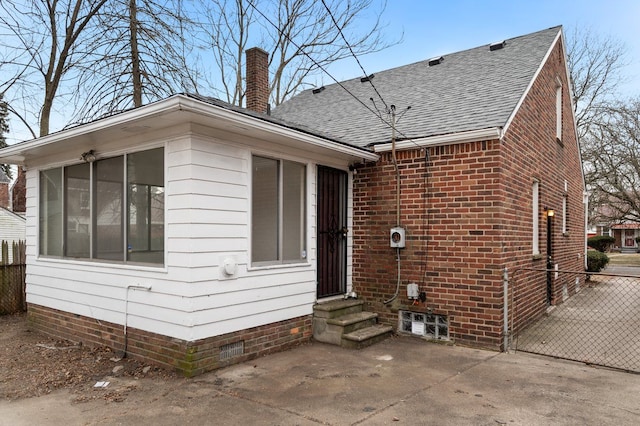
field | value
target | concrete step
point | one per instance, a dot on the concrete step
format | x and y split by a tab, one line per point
353	322
366	336
337	308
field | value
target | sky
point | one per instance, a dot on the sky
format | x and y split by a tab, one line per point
437	27
429	28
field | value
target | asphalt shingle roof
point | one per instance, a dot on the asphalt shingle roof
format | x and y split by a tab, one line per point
470	90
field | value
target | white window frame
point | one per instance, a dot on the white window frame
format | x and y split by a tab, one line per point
92	214
535	219
280	261
559	110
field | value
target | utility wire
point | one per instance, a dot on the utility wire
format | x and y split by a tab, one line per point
335	24
282	34
297	46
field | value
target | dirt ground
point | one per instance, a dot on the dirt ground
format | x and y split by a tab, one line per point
33	364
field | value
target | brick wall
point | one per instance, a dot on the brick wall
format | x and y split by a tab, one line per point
450	203
467	210
189	358
532	151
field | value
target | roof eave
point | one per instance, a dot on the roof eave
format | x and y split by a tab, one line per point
489	133
17	154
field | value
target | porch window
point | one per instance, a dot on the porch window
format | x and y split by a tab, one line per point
278	217
111	209
50	230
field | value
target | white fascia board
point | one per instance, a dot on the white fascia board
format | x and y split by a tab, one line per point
157	108
181	103
449	139
533	80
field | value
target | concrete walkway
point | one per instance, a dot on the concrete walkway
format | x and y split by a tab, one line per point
402	380
599	325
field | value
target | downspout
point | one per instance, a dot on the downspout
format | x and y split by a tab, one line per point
505	327
126	311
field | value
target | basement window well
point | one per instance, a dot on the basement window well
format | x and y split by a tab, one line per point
432	326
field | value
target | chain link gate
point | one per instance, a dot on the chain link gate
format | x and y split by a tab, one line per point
591	318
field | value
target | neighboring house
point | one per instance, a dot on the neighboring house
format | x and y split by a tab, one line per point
12	230
5	182
625	235
197	234
12	224
607	220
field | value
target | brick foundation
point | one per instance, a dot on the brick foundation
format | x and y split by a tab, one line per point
189	358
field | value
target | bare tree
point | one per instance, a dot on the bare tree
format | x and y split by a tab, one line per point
140	56
612	165
595	64
44	42
607	139
4	128
302	39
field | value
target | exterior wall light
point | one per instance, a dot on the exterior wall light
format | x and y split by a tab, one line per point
89	156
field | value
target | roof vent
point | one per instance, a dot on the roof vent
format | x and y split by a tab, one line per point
318	90
497	45
436	61
367	78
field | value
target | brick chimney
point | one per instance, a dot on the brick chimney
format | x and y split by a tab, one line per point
257	90
19	193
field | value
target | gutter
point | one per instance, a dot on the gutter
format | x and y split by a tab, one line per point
451	138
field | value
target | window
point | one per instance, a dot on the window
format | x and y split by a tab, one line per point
278	214
564	214
559	110
565	208
535	218
50	231
424	324
111	209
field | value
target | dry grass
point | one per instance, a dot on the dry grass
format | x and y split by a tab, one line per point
624	259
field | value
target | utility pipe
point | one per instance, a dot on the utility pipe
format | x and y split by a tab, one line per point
395	164
505	332
126	311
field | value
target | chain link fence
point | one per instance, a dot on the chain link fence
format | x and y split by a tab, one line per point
591	318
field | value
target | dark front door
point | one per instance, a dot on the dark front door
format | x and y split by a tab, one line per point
332	231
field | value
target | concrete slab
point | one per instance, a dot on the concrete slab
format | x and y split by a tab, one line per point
401	380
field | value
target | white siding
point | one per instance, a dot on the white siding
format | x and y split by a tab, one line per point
207	221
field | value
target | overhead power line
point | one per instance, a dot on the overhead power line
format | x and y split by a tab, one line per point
335	23
323	69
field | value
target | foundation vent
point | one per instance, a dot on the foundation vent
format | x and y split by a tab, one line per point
232	349
431	326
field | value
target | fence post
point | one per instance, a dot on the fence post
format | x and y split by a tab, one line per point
5	253
505	282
